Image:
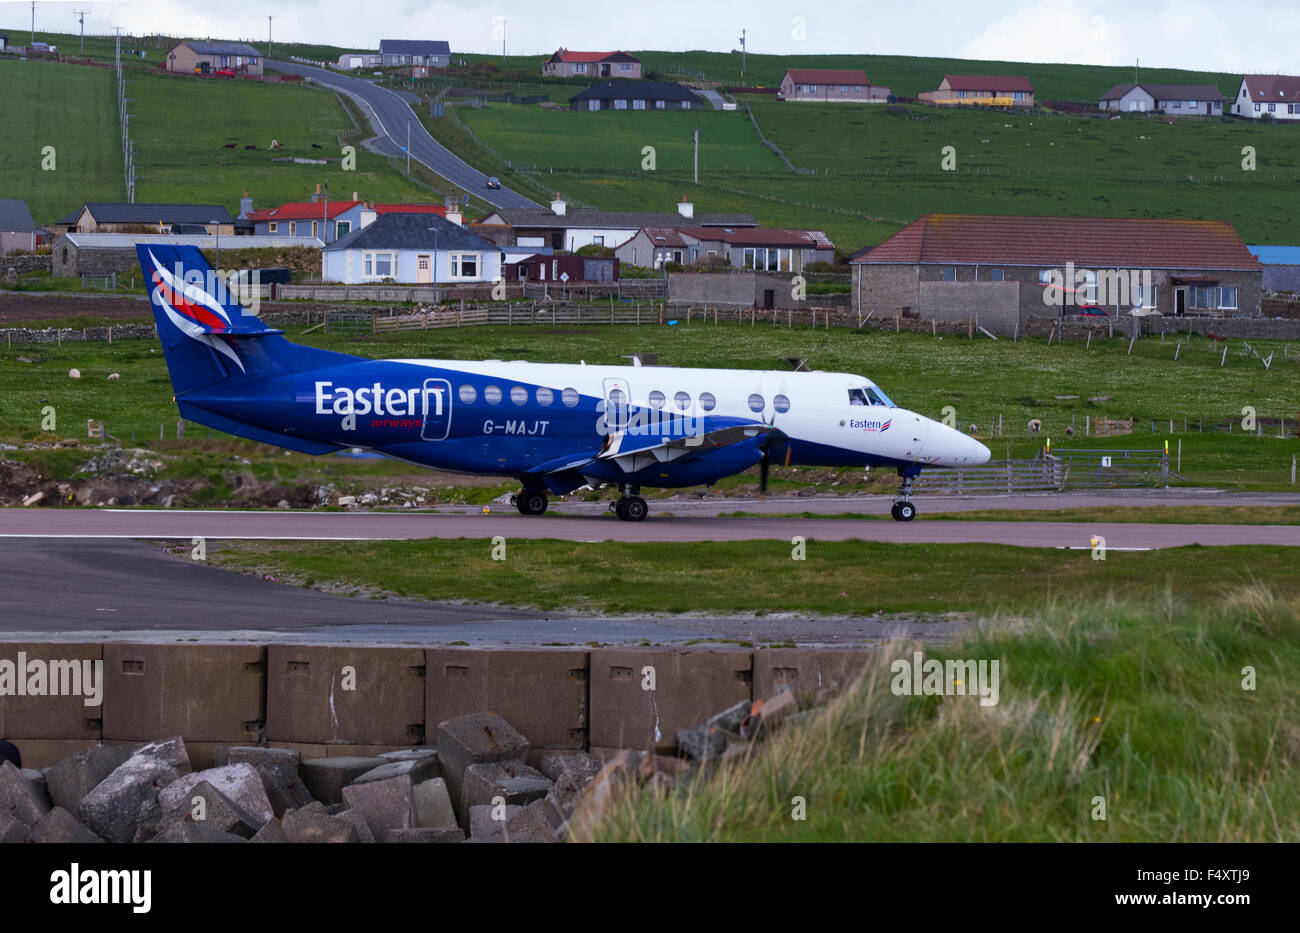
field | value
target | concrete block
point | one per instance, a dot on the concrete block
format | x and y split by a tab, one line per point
271	832
384	804
41	712
325	778
37	780
433	807
207	693
806	670
128	797
241	784
535	823
417	769
690	686
300	826
426	834
619	772
19	798
184	831
357	820
702	743
335	694
541	692
426	754
512	780
13	829
278	769
571	773
76	776
729	720
43	753
217	811
475	739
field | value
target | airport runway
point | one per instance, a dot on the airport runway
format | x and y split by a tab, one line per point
285	525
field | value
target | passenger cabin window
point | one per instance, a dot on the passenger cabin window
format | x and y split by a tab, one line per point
545	396
519	395
707	401
683	400
781	403
756	402
492	395
468	394
656	399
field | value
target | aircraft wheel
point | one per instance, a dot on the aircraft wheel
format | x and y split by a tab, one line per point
904	511
634	509
531	503
617	508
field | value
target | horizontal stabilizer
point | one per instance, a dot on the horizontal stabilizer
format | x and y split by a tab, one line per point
191	412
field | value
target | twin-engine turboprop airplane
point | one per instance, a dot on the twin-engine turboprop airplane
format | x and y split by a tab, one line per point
554	427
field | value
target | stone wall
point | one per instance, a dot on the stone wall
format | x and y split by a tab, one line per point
11	266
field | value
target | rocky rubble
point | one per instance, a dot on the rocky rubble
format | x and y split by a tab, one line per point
473	785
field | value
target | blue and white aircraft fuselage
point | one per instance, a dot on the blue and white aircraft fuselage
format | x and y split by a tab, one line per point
554	427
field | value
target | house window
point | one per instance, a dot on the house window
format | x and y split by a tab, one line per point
686	105
1089	287
774	260
598	240
950	275
314	228
857	89
995	275
620	105
659	105
1178	105
593	105
1228	297
1018	95
1272	108
624	66
961	94
272	227
342	228
638	105
1141	299
379	265
580	68
464	265
1202	296
1257	108
1193	105
844	88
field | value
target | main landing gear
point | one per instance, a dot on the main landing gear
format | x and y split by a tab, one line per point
529	503
903	510
630	507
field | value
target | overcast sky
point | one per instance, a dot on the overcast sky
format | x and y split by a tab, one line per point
1247	35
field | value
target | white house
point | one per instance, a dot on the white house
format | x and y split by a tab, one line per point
561	229
413	249
1277	96
1177	99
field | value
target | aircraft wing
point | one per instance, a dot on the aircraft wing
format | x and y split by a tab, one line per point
636	452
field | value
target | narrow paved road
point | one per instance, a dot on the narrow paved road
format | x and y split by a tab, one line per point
391	113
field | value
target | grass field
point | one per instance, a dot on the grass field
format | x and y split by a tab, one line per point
981	379
875	171
1140	702
759	576
75	111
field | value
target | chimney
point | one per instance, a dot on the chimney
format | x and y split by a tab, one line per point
354	196
316	197
686	209
558	205
456	217
245	204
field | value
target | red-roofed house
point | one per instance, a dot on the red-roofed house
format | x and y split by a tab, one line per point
1004	268
1277	96
330	220
981	91
830	85
566	64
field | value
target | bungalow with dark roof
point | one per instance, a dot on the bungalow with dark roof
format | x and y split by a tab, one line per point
194	57
830	85
567	64
420	53
109	217
1002	269
416	249
1274	96
742	248
560	229
981	91
636	95
1181	100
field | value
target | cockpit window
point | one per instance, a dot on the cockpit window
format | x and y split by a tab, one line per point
869	395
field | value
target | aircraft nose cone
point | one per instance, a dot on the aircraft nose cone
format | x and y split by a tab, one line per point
953	448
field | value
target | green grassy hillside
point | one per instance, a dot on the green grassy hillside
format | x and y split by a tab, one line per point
75	111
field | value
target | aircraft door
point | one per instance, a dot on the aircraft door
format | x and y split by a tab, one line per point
618	400
436	404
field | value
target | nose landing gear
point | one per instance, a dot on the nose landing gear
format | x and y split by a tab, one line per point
903	510
530	503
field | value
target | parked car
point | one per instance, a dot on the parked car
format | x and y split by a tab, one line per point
225	72
494	182
1092	311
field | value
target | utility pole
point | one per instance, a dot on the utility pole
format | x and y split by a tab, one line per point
697	155
408	147
743	31
268	35
1136	62
503	40
81	14
325	220
33	22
